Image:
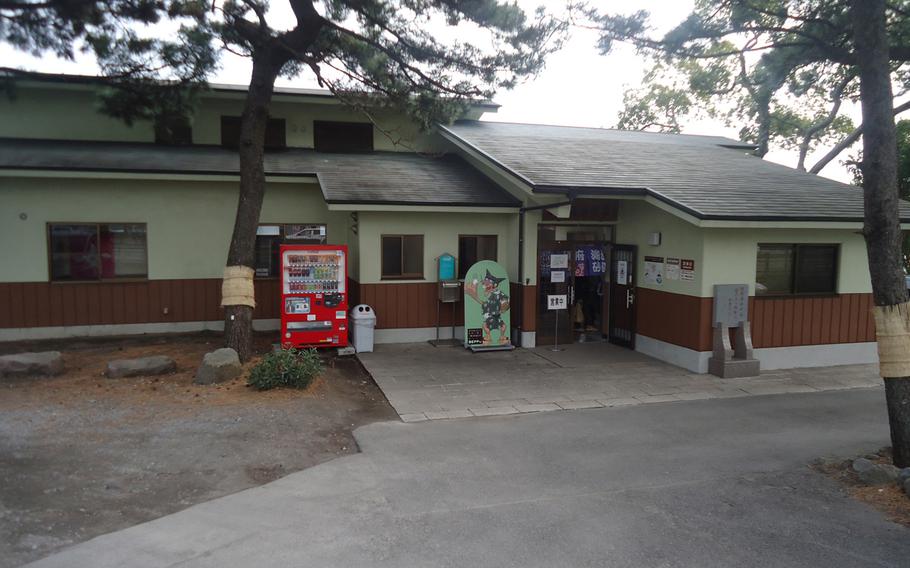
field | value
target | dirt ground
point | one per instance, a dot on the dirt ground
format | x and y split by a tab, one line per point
82	455
889	499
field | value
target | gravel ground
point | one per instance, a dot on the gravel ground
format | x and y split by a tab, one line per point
82	455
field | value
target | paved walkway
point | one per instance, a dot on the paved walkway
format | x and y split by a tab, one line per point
709	483
423	382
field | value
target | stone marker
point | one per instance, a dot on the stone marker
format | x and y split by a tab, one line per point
47	363
141	367
218	366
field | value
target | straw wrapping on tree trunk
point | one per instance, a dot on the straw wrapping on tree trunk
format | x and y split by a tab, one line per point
892	330
237	287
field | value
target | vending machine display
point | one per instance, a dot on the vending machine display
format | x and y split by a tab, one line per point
314	296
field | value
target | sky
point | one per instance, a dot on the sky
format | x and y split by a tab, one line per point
578	87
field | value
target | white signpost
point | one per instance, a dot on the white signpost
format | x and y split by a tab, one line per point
556	302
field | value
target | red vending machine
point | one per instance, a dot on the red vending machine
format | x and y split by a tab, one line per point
314	296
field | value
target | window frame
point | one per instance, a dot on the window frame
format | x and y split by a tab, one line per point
271	124
283	241
495	237
794	293
402	275
177	127
100	279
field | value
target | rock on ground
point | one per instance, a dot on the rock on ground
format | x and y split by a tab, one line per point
874	473
218	366
47	363
140	367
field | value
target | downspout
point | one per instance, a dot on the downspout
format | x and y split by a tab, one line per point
521	251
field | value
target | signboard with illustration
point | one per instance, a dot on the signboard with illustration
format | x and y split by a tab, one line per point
487	316
654	270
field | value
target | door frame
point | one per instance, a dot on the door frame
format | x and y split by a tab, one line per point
631	292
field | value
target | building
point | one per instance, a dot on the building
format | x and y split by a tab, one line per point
108	230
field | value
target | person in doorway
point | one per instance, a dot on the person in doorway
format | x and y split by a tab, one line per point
493	302
587	294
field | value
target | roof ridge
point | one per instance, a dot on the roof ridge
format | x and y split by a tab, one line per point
603	129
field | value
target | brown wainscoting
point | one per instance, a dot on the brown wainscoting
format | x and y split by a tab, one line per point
413	304
786	322
42	304
776	322
408	304
675	318
529	308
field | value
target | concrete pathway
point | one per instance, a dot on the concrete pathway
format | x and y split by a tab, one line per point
423	382
702	483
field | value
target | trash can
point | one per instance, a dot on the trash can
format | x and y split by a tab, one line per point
363	322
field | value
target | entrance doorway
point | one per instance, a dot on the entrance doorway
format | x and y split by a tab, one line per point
573	261
622	295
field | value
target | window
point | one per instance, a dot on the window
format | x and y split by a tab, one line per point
93	251
402	256
342	136
275	132
796	269
173	131
270	237
474	248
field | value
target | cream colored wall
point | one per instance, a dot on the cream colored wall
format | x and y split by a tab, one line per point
70	113
440	235
392	133
65	114
731	255
189	224
679	239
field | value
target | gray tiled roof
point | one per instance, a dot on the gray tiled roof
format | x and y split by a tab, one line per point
379	177
710	177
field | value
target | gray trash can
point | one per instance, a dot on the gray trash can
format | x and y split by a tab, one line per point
363	324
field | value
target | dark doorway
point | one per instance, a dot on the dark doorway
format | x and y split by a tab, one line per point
573	261
622	295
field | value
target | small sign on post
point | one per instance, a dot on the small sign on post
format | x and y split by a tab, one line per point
556	302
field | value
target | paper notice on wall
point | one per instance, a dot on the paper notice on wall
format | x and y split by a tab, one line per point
559	260
671	269
622	272
686	269
558	276
654	270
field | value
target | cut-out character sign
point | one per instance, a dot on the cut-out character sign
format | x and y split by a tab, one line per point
486	307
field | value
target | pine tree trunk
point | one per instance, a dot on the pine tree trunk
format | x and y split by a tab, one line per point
238	320
880	191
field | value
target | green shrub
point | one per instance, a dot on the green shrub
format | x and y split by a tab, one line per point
286	368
